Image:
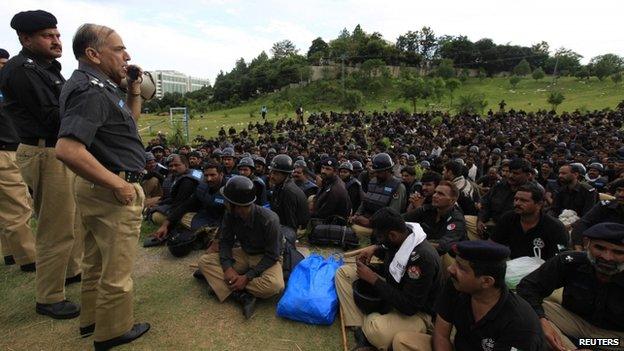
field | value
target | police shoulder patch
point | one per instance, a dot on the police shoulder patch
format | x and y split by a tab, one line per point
451	226
414	272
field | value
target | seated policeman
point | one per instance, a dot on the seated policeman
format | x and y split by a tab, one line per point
528	230
246	167
476	302
593	290
332	198
204	208
408	282
442	220
254	269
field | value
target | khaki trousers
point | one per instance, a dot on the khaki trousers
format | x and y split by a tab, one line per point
379	329
74	266
16	235
52	185
270	283
570	324
360	230
411	341
111	236
158	218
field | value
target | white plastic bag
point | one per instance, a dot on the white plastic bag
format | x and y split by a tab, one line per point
520	267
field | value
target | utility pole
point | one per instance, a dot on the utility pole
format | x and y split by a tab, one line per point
555	70
343	57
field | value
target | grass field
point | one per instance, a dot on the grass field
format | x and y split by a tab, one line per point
182	314
529	95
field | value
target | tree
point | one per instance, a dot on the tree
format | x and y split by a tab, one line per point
616	77
464	74
514	80
452	85
538	73
445	69
427	43
317	50
555	98
523	68
605	65
567	62
412	89
583	73
283	49
473	103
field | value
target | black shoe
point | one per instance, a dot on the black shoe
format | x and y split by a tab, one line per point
75	279
153	241
136	332
249	304
199	276
29	267
87	331
60	310
361	342
9	260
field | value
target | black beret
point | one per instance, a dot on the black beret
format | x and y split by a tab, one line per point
4	54
330	162
481	251
32	21
608	231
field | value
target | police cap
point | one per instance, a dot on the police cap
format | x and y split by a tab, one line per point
481	251
32	21
608	231
329	162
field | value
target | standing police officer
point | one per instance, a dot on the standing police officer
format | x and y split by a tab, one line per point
100	142
31	83
18	242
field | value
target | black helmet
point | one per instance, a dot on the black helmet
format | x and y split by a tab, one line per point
282	163
239	191
259	159
367	298
228	152
382	162
300	163
246	162
217	152
411	160
181	243
346	165
473	149
597	166
357	166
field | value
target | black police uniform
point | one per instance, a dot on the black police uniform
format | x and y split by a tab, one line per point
31	88
354	189
497	201
549	235
290	204
450	229
600	304
207	202
380	195
420	285
332	199
308	187
510	323
260	236
581	198
604	211
104	124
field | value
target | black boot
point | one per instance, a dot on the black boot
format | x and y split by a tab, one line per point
87	331
136	332
59	310
9	260
75	279
247	301
29	267
361	342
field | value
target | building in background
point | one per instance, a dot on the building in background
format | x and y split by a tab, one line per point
176	82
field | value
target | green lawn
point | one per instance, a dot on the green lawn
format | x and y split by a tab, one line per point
182	314
529	95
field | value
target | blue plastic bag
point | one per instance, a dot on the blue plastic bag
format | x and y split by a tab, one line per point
310	295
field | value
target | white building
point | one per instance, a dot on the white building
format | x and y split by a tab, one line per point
174	81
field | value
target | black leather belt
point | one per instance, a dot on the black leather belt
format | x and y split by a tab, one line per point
8	147
130	176
39	142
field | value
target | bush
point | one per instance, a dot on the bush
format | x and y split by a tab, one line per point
352	99
514	80
555	98
473	103
538	73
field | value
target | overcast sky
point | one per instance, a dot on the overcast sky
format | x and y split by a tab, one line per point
202	37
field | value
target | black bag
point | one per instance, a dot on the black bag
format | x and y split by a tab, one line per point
331	234
182	241
291	256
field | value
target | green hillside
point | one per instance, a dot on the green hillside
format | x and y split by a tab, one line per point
529	95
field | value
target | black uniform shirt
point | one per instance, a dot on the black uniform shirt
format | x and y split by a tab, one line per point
449	229
580	198
549	235
332	199
31	88
8	136
604	211
260	236
510	323
290	204
600	304
94	113
496	202
420	285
